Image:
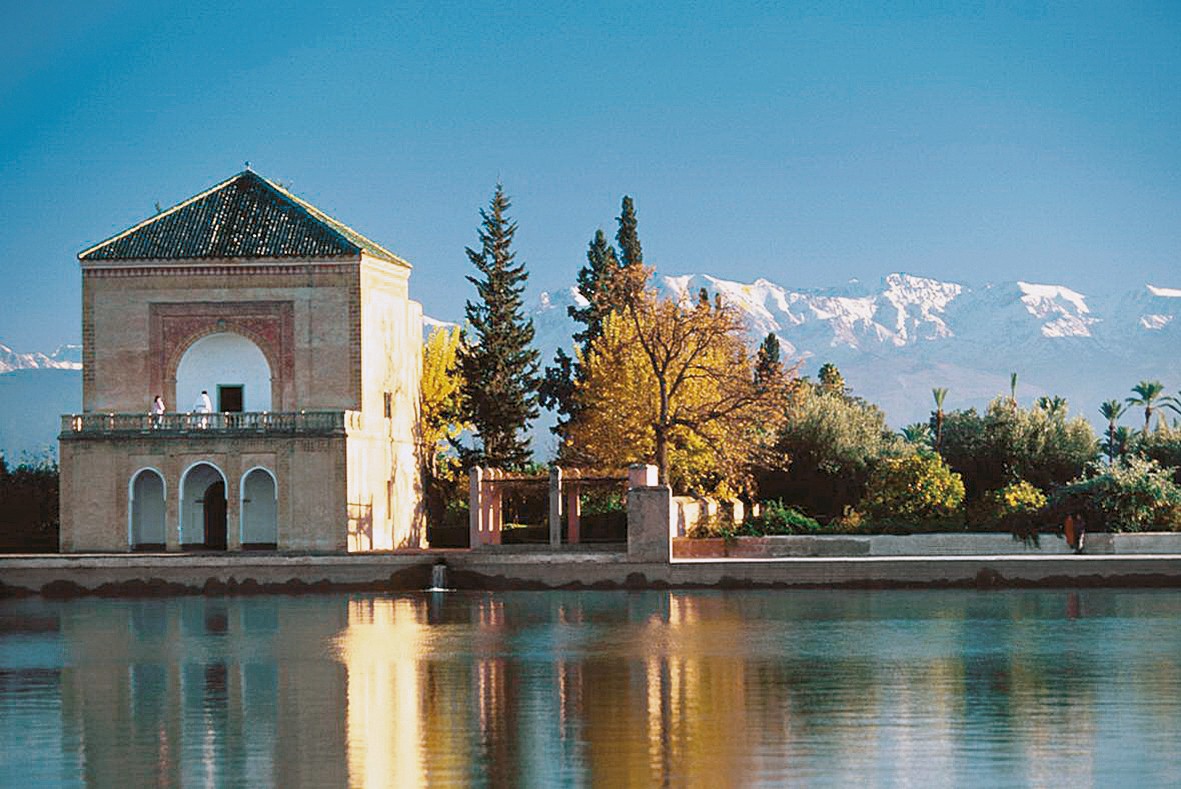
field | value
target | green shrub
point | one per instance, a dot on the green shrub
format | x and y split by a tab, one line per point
916	487
833	441
1007	444
1134	494
777	518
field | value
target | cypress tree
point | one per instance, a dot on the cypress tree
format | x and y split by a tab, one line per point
631	256
605	291
630	253
499	366
595	280
594	283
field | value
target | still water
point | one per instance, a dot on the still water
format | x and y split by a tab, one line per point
602	688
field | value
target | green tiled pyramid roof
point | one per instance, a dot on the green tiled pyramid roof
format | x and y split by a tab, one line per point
246	216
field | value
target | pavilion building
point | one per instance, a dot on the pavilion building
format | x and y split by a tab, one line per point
303	334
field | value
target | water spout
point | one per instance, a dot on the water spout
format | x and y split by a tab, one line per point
438	578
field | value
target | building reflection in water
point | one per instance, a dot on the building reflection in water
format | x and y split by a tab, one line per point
599	688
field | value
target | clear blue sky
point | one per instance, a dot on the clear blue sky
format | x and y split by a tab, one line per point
968	141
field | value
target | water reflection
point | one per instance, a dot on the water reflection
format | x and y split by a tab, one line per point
603	688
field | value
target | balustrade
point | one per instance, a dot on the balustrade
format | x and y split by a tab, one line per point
265	422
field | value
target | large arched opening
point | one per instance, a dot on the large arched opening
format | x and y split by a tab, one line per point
203	507
146	496
260	509
231	368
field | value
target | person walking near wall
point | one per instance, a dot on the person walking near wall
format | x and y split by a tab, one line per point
157	411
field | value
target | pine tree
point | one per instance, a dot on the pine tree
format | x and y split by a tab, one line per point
768	366
499	366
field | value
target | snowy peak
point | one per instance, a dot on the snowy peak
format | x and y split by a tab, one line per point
1064	311
67	357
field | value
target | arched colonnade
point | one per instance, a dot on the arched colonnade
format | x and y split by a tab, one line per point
201	508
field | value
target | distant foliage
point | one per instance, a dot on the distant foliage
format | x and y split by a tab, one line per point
1163	446
1134	494
917	486
1007	444
29	506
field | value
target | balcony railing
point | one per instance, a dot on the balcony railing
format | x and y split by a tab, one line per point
93	424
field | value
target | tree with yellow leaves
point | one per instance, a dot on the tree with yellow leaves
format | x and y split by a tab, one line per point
441	385
677	385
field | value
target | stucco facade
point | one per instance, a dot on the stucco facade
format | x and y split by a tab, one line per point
297	316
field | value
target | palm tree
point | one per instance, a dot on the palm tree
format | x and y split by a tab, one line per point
1119	443
1172	402
940	393
1053	406
1112	410
918	434
1147	394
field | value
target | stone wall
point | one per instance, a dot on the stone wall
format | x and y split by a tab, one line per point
97	473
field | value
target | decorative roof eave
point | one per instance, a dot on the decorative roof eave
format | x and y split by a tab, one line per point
216	262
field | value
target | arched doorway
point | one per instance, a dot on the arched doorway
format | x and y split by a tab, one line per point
146	510
203	507
231	368
215	516
259	509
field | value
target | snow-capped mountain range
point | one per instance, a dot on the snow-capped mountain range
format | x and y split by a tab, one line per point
893	340
897	339
67	357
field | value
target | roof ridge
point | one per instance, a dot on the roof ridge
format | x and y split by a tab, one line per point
334	224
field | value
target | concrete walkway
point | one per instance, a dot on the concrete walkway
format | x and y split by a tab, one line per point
154	574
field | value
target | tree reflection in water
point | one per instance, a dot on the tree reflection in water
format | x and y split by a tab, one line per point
607	688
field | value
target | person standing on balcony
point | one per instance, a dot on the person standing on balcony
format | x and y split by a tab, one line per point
204	406
157	410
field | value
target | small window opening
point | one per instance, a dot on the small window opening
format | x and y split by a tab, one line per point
229	399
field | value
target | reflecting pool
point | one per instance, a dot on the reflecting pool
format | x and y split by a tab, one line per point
602	688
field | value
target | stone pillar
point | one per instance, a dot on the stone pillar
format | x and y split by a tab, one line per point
649	524
172	504
573	514
475	503
738	511
495	514
555	506
640	475
233	511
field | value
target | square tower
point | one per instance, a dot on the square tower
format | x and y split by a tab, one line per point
288	356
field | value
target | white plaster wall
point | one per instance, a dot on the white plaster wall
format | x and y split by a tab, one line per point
227	359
